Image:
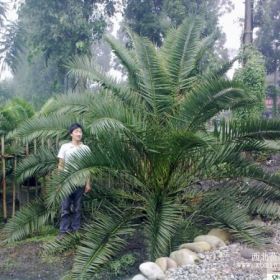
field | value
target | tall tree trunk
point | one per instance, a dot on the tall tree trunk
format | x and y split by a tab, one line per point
248	23
4	180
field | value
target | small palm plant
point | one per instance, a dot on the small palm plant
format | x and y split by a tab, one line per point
150	148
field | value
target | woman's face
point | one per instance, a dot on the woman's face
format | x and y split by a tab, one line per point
77	134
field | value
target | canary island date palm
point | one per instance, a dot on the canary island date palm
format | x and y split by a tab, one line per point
150	147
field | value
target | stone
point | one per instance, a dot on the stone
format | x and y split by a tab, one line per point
162	263
165	263
171	264
197	247
214	241
247	253
151	271
139	277
220	233
258	222
183	257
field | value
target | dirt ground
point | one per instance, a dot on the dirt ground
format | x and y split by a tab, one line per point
24	262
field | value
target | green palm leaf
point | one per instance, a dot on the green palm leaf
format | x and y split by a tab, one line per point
44	127
211	97
181	58
39	164
258	129
163	216
126	58
154	81
58	246
28	220
103	239
224	212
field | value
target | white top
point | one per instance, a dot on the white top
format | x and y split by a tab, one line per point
69	150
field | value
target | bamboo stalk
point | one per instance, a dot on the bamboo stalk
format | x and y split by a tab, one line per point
4	180
57	142
35	152
27	154
27	149
14	187
35	146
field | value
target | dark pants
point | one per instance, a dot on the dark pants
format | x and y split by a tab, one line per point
71	211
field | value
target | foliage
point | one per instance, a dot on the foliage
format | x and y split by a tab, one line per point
252	74
49	29
152	18
268	34
119	267
150	147
37	46
35	81
30	220
13	112
6	91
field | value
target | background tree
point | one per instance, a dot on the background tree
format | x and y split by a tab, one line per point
268	43
153	18
44	37
268	35
252	74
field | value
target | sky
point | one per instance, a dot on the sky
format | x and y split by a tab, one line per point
230	24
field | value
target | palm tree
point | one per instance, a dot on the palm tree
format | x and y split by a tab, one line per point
150	149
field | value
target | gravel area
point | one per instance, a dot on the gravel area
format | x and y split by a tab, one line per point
235	261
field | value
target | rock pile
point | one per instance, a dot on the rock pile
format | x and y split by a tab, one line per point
187	260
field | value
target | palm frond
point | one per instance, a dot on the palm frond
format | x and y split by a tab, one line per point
44	127
211	97
154	81
126	58
84	68
181	58
58	246
224	212
73	103
103	239
111	113
222	70
163	216
28	220
258	129
39	164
